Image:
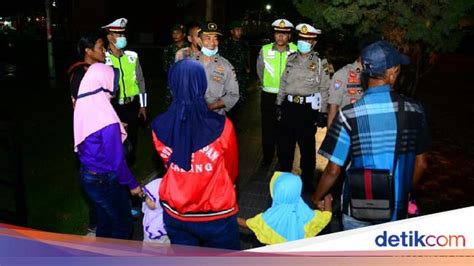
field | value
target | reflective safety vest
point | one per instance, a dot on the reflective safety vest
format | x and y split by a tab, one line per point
275	63
127	65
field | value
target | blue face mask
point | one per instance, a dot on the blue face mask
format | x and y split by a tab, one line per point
208	52
304	47
120	42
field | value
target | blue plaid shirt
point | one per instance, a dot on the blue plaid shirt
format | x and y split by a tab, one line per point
364	133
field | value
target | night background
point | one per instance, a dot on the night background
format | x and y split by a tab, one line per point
39	185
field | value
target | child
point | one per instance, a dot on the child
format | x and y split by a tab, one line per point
153	226
289	218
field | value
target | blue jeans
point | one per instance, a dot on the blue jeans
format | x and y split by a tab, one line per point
349	223
221	233
112	204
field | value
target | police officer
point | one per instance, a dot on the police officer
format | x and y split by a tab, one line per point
222	88
345	88
270	64
131	98
194	43
178	33
303	94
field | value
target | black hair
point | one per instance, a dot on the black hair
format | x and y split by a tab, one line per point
87	40
191	26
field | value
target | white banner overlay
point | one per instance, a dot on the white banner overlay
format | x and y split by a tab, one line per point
441	231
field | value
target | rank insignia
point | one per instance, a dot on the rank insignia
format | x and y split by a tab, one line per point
312	67
337	84
216	78
352	91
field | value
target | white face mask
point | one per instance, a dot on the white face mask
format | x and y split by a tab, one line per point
209	52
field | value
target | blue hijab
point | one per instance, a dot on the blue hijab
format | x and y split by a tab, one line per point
188	125
288	214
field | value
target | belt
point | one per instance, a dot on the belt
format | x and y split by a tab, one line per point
301	99
126	100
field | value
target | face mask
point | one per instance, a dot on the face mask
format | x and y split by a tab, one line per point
304	47
208	52
120	42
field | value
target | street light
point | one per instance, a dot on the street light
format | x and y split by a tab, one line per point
268	7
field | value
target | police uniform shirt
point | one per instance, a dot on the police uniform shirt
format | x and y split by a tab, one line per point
304	76
221	82
345	86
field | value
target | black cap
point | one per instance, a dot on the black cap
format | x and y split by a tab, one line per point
210	28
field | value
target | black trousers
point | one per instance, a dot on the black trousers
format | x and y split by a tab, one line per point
298	126
128	113
269	125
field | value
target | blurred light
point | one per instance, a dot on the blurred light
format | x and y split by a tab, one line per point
268	7
54	3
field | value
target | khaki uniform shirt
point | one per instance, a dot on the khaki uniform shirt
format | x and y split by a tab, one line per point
221	82
304	77
345	86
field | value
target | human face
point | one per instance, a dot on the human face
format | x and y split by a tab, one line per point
112	37
178	36
236	33
281	39
193	37
97	53
210	41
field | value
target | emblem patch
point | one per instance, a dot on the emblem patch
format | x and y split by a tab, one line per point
337	84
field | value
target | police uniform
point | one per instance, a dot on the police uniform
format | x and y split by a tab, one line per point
345	86
303	94
169	53
131	95
221	79
270	65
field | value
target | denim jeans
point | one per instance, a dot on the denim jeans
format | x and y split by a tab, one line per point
349	223
112	204
221	233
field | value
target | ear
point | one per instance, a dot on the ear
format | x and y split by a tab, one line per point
88	51
189	38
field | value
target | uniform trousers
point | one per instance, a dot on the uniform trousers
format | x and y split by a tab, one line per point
269	125
297	125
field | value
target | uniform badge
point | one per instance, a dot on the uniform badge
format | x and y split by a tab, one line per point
216	78
220	68
312	67
353	77
337	84
358	70
304	29
352	91
212	26
131	59
282	24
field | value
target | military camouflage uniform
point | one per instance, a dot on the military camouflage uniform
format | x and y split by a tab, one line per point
238	54
169	55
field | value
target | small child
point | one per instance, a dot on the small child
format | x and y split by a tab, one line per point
153	226
289	218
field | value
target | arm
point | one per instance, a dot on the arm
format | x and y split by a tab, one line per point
282	91
242	222
332	111
142	95
420	167
330	175
231	87
324	88
113	149
260	66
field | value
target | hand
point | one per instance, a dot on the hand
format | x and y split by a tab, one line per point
137	191
142	113
325	204
322	120
278	112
